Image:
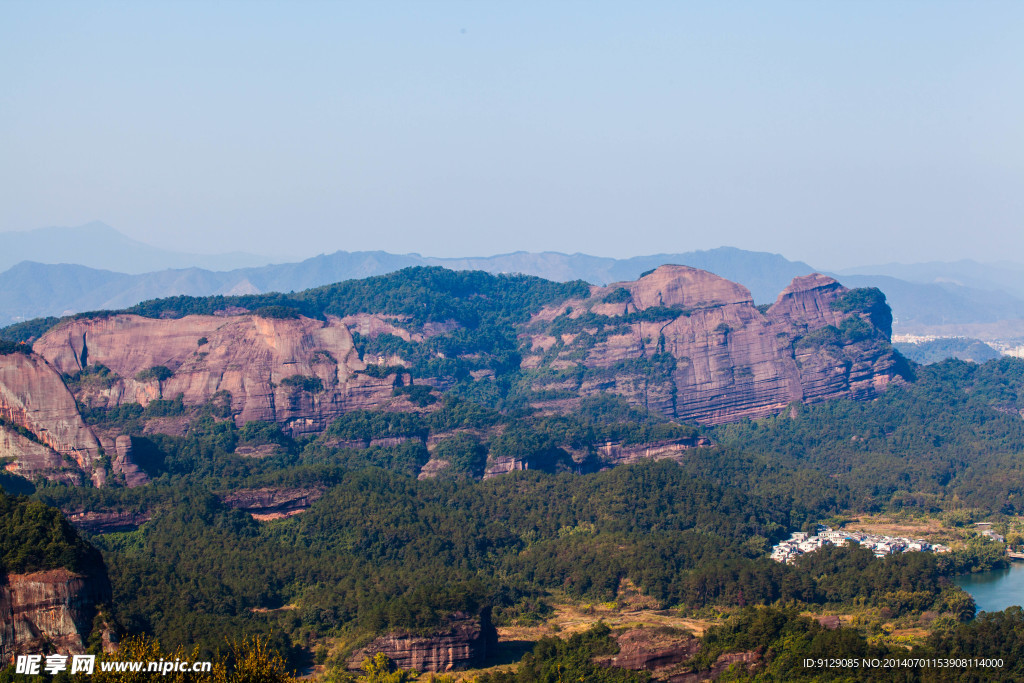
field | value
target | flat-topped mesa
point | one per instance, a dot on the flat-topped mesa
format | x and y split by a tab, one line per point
297	371
691	345
53	442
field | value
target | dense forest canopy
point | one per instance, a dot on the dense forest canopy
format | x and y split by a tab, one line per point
937	350
420	294
955	434
35	537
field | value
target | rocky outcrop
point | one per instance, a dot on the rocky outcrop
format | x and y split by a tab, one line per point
663	651
692	346
464	643
747	661
124	464
679	341
296	371
273	503
40	427
651	649
433	468
615	453
51	608
106	521
505	464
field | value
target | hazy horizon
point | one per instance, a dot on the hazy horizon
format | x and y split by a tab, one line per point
302	256
839	135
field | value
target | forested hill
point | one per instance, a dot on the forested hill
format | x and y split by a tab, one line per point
34	537
420	294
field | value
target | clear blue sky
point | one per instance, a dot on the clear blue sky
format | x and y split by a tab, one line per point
834	132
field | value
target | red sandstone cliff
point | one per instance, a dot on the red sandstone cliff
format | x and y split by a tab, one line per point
247	356
33	397
721	359
465	642
680	341
54	607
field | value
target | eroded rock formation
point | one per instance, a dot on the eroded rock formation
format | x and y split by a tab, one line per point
40	426
615	453
679	341
691	345
106	521
464	643
296	371
651	649
273	503
54	607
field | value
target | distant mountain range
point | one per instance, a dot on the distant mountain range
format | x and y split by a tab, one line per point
924	297
97	245
31	290
1000	276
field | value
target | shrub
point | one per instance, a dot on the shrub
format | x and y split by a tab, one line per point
313	385
157	372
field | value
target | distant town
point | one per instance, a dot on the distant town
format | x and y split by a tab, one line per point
1006	347
802	542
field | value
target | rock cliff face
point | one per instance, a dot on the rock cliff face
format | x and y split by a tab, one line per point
273	503
609	454
680	341
53	441
55	607
299	372
651	649
464	643
106	521
615	453
693	346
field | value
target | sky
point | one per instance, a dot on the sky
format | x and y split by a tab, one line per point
837	133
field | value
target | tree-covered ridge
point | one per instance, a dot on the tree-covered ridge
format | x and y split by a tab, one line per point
419	295
869	301
960	348
8	347
35	537
952	438
466	433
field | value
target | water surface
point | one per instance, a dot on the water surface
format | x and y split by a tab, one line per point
997	590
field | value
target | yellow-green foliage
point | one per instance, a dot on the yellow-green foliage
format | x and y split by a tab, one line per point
247	661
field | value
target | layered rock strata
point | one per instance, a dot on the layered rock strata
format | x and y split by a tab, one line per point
51	608
692	346
464	643
273	503
41	430
299	371
679	341
106	521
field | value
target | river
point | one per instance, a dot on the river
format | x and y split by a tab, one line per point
997	590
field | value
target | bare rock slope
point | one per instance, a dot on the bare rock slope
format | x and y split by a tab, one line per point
693	346
299	371
41	430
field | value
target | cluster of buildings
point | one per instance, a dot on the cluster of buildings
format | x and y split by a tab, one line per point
801	542
986	530
1006	347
